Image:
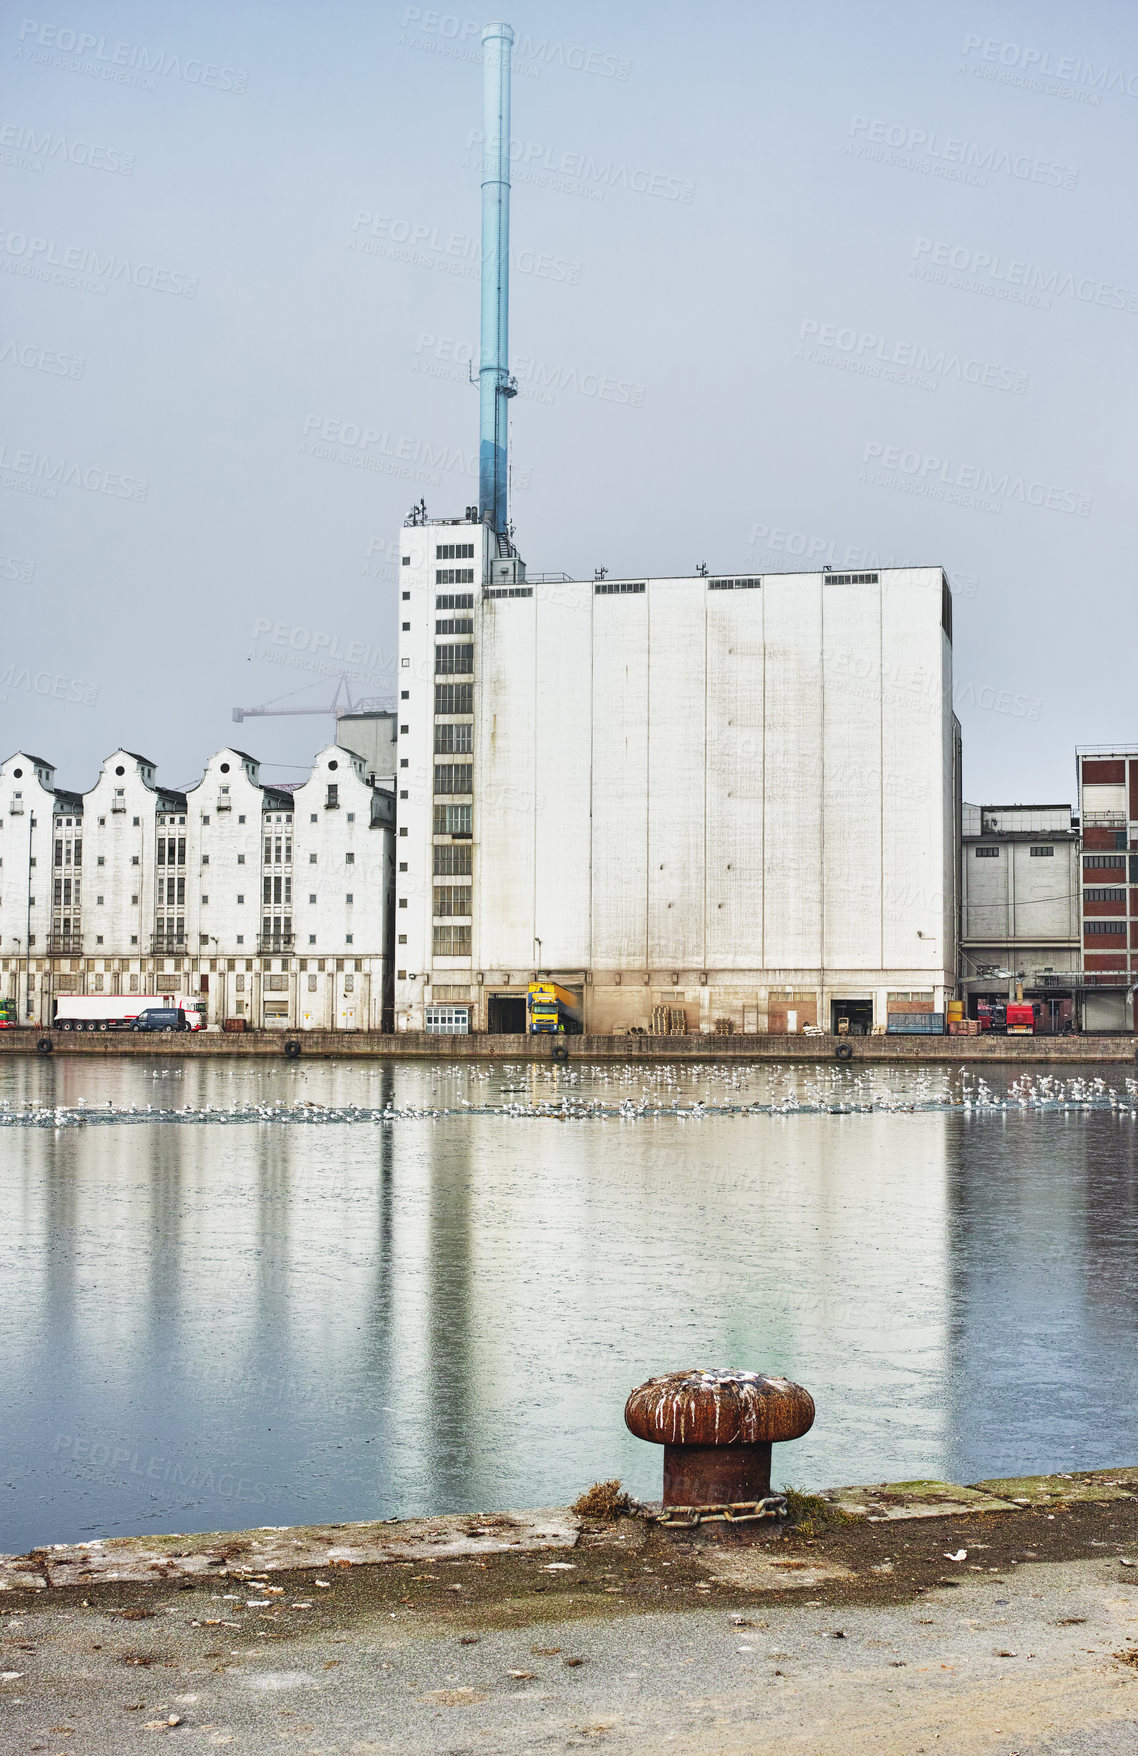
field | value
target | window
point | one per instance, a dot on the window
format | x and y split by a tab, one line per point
452	820
312	859
404	694
99	901
454	600
136	822
312	938
349	981
453	777
1042	853
99	860
1104	862
134	859
616	588
332	796
452	941
241	898
205	899
347	938
313	818
405	627
987	853
456	661
241	859
1105	893
452	899
453	861
455	625
454	552
406	597
205	859
456	740
406	560
240	819
402	902
1106	929
312	896
454	697
735	584
508	591
349	859
448	1021
851	579
348	897
205	819
402	938
454	576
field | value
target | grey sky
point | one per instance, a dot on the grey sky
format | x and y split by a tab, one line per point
729	189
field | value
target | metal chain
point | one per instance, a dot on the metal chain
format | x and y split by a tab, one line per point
688	1517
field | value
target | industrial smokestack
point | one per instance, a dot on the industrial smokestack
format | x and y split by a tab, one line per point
495	386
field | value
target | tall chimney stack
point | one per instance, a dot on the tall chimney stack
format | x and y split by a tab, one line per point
495	386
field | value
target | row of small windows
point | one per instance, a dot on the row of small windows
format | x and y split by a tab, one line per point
608	588
1105	893
1105	929
1039	853
734	584
454	661
454	576
452	600
455	625
454	698
1104	862
453	740
508	591
454	552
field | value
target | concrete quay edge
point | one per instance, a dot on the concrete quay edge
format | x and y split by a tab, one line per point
420	1046
289	1548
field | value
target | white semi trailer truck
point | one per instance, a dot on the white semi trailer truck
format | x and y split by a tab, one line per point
119	1011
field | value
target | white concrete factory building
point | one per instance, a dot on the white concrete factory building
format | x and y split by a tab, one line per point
733	797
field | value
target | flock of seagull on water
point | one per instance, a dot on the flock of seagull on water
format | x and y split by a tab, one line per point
627	1093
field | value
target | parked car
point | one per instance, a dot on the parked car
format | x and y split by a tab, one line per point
161	1018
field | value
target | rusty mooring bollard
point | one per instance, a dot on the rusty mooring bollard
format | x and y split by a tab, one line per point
717	1429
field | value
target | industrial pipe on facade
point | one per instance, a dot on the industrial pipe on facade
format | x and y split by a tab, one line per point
495	386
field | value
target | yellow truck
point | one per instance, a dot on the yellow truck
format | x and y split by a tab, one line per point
552	1008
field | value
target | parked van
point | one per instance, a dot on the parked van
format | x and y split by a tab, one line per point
161	1018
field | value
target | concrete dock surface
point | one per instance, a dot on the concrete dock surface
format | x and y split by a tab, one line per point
905	1618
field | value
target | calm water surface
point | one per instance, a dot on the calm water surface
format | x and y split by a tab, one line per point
211	1324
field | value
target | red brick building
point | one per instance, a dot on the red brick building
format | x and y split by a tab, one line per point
1108	807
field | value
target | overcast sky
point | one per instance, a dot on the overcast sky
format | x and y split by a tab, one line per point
793	285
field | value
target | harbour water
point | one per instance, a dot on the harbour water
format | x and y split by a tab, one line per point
266	1294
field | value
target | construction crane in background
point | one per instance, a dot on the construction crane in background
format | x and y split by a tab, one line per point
341	702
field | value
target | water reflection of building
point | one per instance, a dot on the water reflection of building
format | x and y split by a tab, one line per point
1042	1229
449	1313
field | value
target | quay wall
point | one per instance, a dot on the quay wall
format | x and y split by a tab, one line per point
419	1046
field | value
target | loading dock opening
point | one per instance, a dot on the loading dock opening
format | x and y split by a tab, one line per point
858	1015
506	1015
